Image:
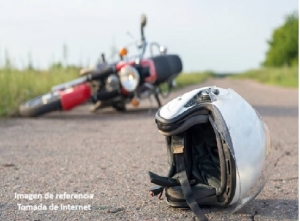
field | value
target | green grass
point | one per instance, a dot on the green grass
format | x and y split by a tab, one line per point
186	79
18	86
285	76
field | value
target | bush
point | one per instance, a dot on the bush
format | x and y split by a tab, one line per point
283	47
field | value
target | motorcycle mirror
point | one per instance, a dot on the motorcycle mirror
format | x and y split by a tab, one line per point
143	20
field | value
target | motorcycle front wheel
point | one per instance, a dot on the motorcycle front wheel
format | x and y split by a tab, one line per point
40	105
119	107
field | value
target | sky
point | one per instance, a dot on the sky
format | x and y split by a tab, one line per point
222	36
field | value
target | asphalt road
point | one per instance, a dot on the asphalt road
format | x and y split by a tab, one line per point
107	155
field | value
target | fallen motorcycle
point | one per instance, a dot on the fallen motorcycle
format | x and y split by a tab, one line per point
113	85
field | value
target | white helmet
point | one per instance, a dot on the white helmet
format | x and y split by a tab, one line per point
219	150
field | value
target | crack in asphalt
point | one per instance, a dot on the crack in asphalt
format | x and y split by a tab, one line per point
286	179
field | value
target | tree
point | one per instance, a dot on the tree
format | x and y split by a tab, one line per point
283	47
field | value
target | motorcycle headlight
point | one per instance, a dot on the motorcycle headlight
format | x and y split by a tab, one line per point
129	78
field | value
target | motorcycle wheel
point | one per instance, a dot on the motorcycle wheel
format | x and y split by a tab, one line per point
40	105
119	107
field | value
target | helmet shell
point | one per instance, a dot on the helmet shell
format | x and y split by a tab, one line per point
239	125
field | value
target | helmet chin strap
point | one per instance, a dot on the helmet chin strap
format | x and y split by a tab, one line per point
184	182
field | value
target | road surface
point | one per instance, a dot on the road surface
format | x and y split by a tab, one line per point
82	166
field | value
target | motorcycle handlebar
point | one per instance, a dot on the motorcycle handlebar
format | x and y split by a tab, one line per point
142	33
100	74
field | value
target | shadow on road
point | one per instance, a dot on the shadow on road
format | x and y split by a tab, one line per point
105	114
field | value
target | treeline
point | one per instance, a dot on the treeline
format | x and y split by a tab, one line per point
283	45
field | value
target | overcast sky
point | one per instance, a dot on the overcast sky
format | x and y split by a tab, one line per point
218	35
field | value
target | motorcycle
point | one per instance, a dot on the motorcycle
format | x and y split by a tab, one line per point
113	85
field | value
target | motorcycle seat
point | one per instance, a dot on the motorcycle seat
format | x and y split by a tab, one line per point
167	67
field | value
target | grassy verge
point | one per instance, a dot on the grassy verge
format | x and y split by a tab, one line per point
285	77
19	86
186	79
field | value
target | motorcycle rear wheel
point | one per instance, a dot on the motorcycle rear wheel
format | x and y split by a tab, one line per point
40	105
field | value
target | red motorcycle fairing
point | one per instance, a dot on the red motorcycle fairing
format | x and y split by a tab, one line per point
145	63
74	96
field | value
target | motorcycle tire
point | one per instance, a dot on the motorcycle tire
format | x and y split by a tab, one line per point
40	105
119	107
